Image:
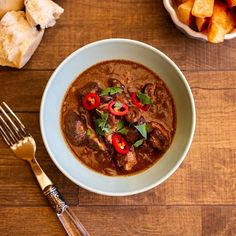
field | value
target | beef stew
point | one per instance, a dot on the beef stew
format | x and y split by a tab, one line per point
118	117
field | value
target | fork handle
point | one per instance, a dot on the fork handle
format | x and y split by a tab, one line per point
70	222
68	219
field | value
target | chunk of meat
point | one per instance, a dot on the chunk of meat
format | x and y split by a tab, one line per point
159	137
75	128
149	89
145	148
161	93
145	152
93	140
96	142
115	83
133	115
157	140
110	153
90	87
132	135
128	161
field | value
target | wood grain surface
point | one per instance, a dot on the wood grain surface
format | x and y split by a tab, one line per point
198	199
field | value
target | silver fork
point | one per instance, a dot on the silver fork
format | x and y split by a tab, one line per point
23	146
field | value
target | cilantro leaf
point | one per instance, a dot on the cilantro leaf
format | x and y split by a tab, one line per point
121	128
144	99
103	115
107	130
118	104
101	124
142	129
120	125
111	91
123	131
97	128
138	143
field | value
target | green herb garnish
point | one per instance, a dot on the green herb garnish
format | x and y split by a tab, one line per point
123	131
118	104
138	143
121	128
120	125
107	130
101	124
142	129
111	91
88	132
144	99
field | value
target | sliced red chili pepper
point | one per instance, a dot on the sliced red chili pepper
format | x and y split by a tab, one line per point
120	144
118	110
137	103
91	101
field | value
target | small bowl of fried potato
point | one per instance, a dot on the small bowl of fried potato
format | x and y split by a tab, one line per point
208	20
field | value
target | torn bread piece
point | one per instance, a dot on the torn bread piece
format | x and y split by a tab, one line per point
18	39
42	13
10	5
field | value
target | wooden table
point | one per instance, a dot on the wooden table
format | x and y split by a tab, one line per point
198	199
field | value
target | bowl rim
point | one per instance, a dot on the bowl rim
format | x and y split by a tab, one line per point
188	30
185	150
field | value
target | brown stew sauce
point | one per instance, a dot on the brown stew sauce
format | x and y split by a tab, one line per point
96	151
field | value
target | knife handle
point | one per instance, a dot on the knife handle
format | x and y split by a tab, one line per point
69	220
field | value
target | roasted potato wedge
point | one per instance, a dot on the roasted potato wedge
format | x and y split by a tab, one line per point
184	12
221	23
203	8
214	18
201	23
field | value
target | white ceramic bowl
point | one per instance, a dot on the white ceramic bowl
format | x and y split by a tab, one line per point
169	6
67	72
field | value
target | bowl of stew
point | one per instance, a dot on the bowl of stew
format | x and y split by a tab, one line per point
117	117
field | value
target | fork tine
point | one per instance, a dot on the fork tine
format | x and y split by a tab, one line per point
8	130
5	136
12	125
18	122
